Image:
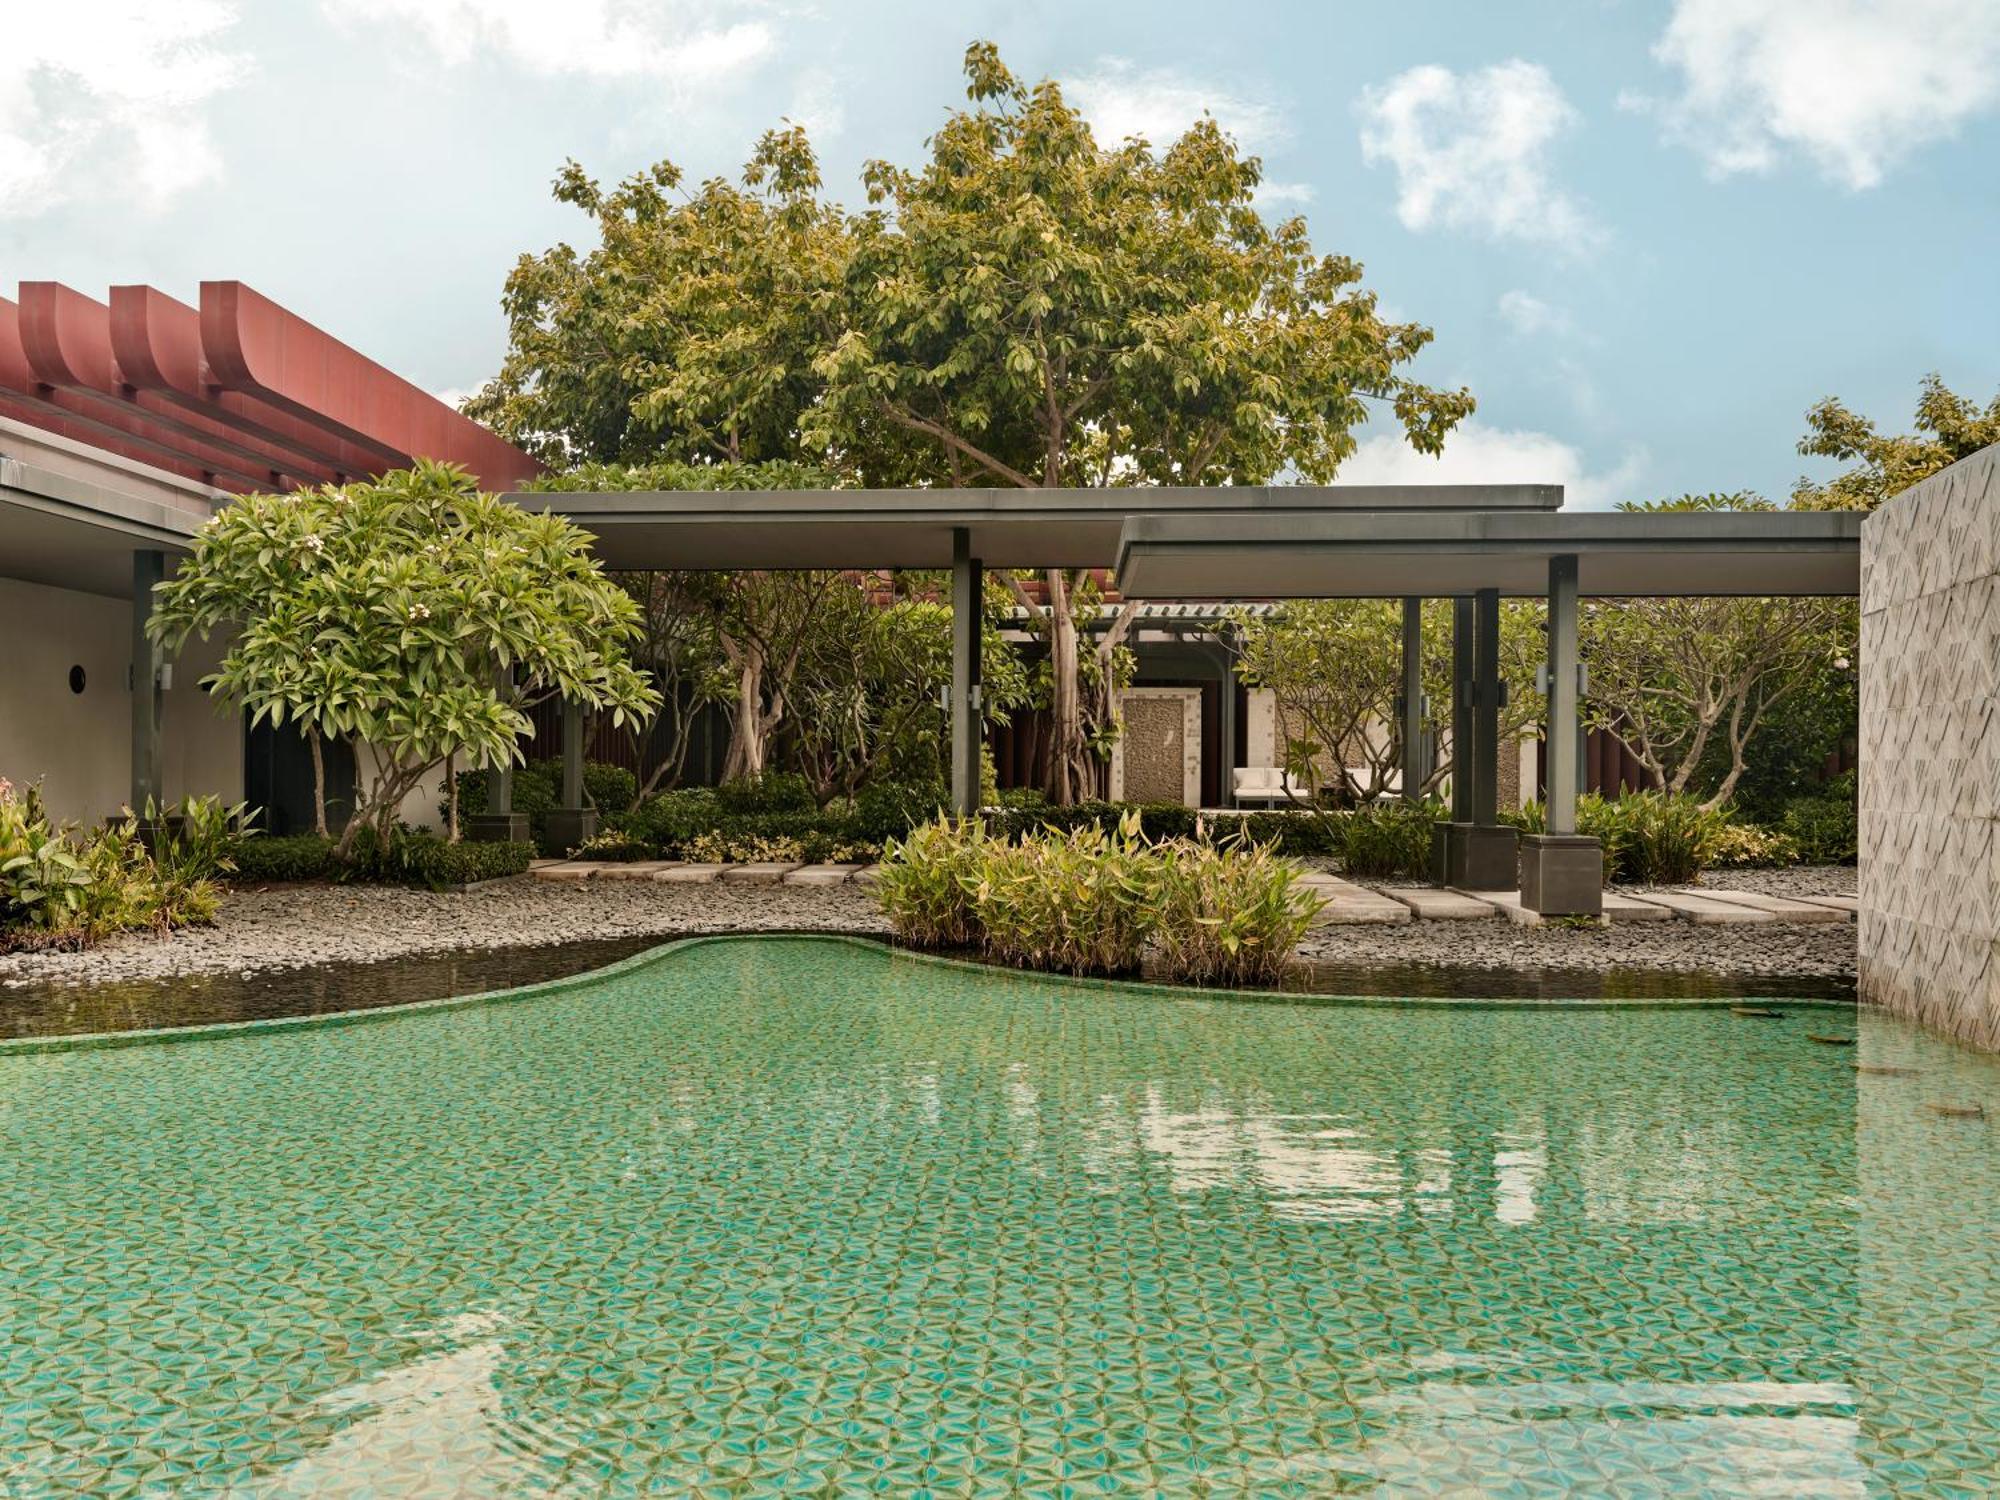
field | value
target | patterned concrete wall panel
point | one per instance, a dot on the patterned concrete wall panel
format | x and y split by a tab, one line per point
1930	752
1157	758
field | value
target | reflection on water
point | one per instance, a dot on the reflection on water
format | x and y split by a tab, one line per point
782	1217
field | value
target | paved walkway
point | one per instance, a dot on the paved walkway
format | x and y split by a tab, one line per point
1347	901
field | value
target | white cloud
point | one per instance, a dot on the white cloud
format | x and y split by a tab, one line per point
1478	454
594	38
1274	193
104	94
1471	152
1855	85
1122	100
1529	315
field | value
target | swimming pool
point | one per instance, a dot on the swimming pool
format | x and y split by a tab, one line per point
777	1216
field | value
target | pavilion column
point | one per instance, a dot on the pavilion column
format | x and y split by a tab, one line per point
149	568
968	585
570	823
499	824
1478	851
1415	762
1562	872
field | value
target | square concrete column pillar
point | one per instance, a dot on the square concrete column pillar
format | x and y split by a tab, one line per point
1481	851
968	585
1447	839
1416	764
499	824
571	824
149	568
1562	872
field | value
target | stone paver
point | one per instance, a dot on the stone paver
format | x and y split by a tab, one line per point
867	875
821	875
692	874
759	872
1507	904
1849	904
1708	910
633	869
1778	906
566	870
1347	902
1620	907
1434	905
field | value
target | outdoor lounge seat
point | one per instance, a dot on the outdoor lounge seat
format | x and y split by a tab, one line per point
1266	784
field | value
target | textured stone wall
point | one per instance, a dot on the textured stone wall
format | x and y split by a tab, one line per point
1930	752
1157	758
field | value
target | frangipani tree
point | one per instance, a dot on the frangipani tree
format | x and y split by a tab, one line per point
415	616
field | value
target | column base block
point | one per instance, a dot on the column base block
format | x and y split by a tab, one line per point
1477	856
570	828
1562	875
497	828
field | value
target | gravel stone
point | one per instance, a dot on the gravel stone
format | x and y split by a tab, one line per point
287	927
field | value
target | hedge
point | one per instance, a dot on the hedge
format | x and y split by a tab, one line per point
537	790
421	859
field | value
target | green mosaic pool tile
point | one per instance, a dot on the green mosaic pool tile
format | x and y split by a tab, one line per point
776	1217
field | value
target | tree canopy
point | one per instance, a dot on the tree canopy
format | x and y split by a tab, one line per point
1949	427
415	616
1027	307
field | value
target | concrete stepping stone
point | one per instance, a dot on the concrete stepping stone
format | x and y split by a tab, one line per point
1506	903
567	870
759	872
633	869
821	875
1620	907
1849	904
867	875
1707	910
1431	904
1348	903
1778	906
688	874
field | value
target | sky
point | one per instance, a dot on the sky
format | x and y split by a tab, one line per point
1648	235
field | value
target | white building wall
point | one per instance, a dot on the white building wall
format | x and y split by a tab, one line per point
79	745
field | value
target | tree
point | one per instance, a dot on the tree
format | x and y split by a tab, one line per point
1029	308
1949	427
415	616
1673	678
1335	667
689	332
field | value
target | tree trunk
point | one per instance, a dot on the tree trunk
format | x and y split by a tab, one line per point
748	735
1069	781
451	797
319	782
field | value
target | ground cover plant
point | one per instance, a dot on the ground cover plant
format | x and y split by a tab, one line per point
64	886
1089	900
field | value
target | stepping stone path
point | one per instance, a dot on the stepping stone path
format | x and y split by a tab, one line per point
821	875
1431	905
1347	903
1620	907
1782	908
1849	904
1707	910
759	872
689	874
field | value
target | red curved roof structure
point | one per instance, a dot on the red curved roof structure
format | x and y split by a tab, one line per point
238	393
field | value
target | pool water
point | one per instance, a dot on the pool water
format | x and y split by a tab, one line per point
796	1216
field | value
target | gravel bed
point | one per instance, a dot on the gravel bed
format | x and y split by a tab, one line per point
286	927
1800	880
289	927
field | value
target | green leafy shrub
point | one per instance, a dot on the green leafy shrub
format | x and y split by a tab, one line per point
615	846
1825	829
885	810
63	887
1388	840
1231	913
424	859
1745	846
772	792
928	883
1082	901
1653	838
266	860
669	820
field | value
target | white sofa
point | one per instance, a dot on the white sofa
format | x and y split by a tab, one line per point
1266	784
